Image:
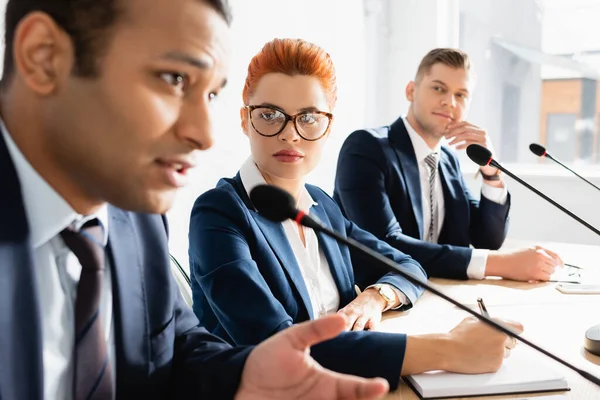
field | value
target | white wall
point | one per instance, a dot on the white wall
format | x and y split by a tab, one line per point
400	33
495	66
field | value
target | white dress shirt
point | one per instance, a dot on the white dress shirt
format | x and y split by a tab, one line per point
57	272
322	290
476	267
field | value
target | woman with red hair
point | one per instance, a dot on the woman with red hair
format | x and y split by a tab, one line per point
252	277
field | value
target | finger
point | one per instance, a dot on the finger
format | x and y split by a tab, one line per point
506	352
555	256
542	252
454	125
464	131
514	326
372	325
457	134
355	388
351	317
469	139
360	323
545	273
544	276
510	343
306	334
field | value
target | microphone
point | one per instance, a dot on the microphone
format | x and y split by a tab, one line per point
483	157
540	151
278	205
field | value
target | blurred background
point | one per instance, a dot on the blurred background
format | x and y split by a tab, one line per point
537	64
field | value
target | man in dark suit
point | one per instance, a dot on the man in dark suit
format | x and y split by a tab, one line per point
103	105
401	184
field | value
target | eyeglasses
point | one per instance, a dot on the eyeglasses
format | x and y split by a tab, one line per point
270	121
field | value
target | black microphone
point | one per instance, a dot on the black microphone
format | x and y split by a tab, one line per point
540	151
483	157
278	205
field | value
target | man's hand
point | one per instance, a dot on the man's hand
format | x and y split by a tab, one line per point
533	264
364	311
464	134
472	347
479	348
281	368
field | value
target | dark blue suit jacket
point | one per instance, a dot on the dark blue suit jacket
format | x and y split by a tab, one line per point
161	353
377	185
247	284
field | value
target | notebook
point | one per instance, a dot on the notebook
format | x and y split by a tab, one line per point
525	371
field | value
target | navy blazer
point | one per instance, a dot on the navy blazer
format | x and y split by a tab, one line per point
161	353
377	185
247	284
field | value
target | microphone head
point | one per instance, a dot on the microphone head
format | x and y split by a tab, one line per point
479	154
537	149
274	203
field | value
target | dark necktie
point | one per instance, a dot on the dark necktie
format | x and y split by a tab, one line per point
92	374
432	161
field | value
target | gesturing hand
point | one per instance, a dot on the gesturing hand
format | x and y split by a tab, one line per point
282	368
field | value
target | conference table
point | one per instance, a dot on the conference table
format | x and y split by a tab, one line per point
555	321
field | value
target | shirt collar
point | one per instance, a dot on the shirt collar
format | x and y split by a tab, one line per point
421	148
47	212
251	177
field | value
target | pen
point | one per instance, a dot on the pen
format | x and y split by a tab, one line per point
482	308
572	266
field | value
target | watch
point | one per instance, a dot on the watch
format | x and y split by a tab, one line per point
495	177
387	293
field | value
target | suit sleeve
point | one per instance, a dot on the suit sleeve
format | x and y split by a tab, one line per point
203	364
489	220
361	190
232	282
366	273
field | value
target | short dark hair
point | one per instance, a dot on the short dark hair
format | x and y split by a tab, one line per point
87	22
453	58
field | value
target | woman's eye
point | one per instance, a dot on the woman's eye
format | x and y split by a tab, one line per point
270	115
308	119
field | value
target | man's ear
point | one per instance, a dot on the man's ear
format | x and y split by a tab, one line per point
244	120
43	53
410	91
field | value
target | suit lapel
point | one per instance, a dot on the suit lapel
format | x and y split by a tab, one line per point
447	177
129	304
20	335
400	142
454	203
332	252
275	236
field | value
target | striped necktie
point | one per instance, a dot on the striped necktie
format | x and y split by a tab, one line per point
92	374
432	163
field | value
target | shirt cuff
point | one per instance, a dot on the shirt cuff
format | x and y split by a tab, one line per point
495	194
476	268
399	296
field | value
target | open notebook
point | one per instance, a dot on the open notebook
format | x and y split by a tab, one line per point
525	371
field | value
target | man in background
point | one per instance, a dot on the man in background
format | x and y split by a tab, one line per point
401	184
